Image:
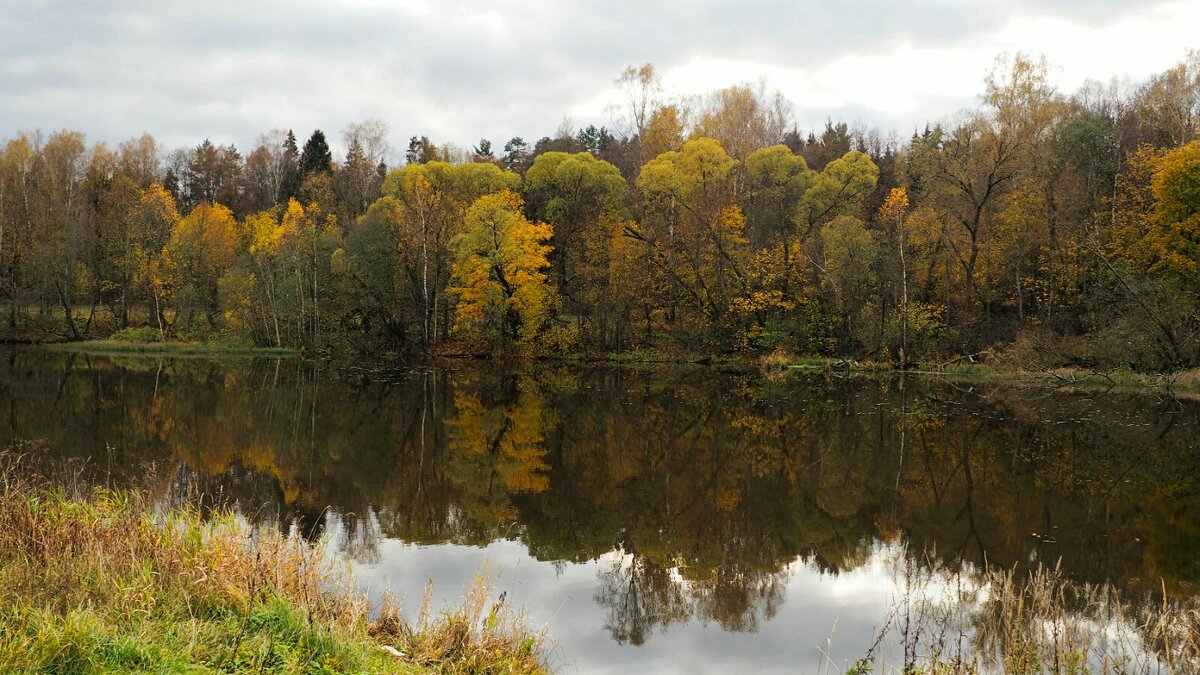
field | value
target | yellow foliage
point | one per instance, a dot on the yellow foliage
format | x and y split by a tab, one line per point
203	245
1176	190
1156	216
499	273
263	232
895	206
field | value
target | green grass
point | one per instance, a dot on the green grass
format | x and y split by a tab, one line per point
270	637
147	341
105	582
120	347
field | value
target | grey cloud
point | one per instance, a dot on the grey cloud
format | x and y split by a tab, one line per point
901	127
228	70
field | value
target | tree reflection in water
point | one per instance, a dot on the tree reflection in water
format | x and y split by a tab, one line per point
695	489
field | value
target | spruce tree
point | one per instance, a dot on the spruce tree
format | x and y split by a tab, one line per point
316	157
289	186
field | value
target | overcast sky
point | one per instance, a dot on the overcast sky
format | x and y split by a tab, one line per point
464	69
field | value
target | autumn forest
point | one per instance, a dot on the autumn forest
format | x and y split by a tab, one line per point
1042	227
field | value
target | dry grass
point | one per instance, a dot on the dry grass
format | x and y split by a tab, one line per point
103	581
1042	622
777	361
1184	380
1033	622
464	640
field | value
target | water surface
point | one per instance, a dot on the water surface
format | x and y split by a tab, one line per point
662	519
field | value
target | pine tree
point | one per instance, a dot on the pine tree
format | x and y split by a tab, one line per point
483	151
516	152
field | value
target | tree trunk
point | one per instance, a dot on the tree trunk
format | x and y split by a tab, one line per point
66	305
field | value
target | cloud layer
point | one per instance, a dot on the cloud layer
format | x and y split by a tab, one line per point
459	71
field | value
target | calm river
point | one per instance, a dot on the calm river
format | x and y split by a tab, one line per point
653	519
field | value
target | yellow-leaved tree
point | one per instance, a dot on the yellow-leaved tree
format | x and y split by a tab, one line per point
1175	238
1155	244
157	220
202	247
892	213
499	278
693	224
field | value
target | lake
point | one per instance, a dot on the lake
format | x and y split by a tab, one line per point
662	519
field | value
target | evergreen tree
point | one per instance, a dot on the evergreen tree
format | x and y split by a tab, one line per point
289	186
316	157
210	173
483	151
357	180
595	140
421	150
171	184
516	153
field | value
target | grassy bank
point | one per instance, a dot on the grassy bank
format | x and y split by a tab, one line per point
1184	381
120	347
146	341
103	581
1117	378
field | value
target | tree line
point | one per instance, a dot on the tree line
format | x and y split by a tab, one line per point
1041	227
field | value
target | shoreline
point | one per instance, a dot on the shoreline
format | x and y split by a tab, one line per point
123	348
1116	380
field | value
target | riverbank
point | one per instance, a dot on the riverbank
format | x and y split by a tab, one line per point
1117	379
123	348
961	369
109	581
